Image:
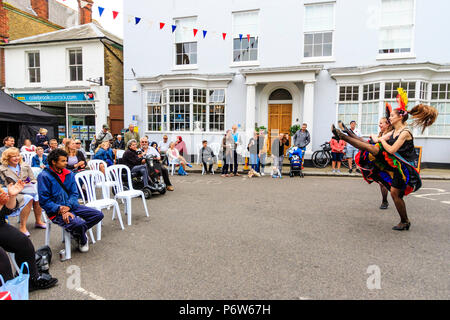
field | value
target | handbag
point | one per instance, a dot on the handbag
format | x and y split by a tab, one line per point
17	287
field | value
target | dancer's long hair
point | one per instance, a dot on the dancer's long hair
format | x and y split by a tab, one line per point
423	115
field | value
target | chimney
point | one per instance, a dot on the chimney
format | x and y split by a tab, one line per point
4	23
85	11
41	8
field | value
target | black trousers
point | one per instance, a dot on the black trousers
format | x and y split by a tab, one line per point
12	240
164	173
209	167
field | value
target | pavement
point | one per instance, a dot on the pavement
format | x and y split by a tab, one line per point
263	238
425	173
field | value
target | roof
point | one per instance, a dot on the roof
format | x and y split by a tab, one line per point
88	31
12	110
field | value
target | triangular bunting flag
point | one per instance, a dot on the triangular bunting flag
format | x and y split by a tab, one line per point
204	33
224	35
115	13
137	20
161	25
150	23
173	28
195	32
130	18
240	37
248	38
100	11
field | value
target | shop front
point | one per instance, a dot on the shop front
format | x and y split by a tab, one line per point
75	111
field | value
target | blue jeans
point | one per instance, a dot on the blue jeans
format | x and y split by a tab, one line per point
254	161
85	218
303	154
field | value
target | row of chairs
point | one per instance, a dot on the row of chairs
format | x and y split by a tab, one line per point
90	181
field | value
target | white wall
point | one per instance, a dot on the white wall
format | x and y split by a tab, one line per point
54	64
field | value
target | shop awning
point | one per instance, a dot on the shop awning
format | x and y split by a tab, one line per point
12	110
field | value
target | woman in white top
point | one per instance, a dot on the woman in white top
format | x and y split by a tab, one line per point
27	146
174	156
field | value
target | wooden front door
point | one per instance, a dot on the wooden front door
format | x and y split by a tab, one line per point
280	120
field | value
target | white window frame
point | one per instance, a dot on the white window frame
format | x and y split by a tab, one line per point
191	66
399	55
69	65
155	104
333	32
27	58
438	100
165	106
257	37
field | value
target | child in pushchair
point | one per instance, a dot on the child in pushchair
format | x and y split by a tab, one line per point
295	155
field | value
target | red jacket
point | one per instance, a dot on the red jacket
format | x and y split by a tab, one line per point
337	147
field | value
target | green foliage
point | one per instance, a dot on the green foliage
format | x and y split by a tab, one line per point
293	129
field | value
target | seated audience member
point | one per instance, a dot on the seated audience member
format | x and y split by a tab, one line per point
207	157
8	142
134	160
40	159
175	157
12	170
52	145
105	153
27	146
119	143
79	146
150	150
12	240
42	139
63	144
76	161
58	195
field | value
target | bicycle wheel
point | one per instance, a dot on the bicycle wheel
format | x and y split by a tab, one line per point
321	159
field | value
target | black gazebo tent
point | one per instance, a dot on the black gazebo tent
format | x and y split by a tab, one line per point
22	121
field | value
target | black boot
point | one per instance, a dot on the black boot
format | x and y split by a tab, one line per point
44	281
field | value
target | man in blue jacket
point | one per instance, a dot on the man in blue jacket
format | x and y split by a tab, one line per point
58	196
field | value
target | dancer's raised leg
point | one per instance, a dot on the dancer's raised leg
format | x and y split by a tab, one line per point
361	145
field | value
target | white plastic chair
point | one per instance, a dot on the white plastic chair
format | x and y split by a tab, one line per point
36	171
115	174
12	257
119	154
90	179
27	157
172	164
95	165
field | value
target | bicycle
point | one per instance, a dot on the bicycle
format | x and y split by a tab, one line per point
322	158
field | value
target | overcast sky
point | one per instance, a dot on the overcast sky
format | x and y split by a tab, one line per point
106	20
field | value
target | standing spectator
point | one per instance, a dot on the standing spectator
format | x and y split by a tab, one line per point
27	146
337	152
237	149
75	159
301	139
12	240
207	157
12	170
163	147
104	135
131	135
278	151
8	142
263	144
58	195
227	151
253	148
53	145
119	144
351	150
181	147
40	159
42	139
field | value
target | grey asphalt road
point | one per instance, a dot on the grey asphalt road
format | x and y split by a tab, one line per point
264	238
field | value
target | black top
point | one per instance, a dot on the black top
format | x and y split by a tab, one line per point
5	212
130	158
407	149
119	144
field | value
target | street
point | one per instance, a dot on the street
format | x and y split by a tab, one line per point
263	238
